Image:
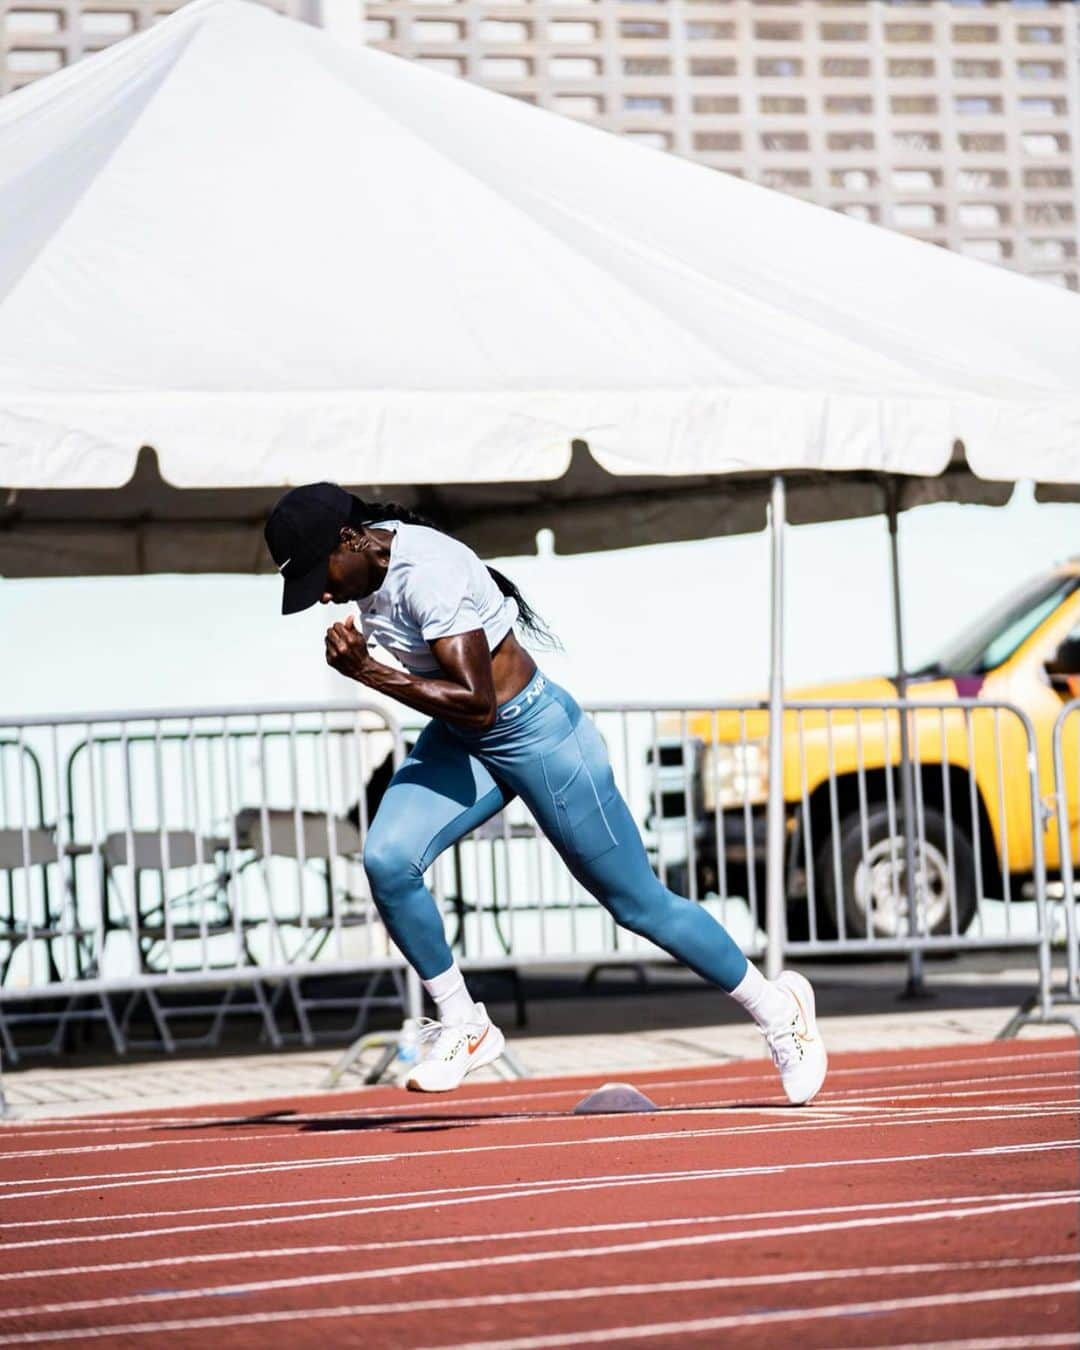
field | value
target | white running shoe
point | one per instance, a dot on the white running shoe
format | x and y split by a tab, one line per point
796	1047
449	1053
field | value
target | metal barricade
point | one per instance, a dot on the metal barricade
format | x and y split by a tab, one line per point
1067	820
187	848
182	849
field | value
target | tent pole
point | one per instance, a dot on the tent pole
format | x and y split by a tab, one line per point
775	904
915	987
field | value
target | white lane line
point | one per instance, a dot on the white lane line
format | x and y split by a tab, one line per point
571	1295
1065	1338
701	1325
986	1343
785	1113
522	1234
459	1109
105	1124
480	1194
532	1258
802	1124
827	1107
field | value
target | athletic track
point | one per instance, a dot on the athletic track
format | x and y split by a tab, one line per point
929	1197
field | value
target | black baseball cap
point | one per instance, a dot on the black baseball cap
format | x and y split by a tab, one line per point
302	531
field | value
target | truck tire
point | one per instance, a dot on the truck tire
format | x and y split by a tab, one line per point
879	878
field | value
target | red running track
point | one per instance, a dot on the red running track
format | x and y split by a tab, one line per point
928	1197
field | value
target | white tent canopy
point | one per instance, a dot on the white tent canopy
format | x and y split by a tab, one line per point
275	258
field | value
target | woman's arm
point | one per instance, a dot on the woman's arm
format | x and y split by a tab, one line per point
464	694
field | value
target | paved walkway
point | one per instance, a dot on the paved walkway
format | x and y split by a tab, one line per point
58	1090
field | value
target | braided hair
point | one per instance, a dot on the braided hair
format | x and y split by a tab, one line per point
366	513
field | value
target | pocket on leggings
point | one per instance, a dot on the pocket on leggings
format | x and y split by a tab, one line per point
583	825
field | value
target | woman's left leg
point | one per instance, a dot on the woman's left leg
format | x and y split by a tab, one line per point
571	791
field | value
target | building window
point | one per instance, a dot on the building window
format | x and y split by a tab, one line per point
437	30
980	215
916	140
1049	250
561	30
910	68
713	67
909	32
1040	70
33	22
765	31
34	61
1047	178
853	180
786	141
1039	33
107	25
641	28
908	105
579	105
977	105
1049	213
786	180
982	142
844	141
916	180
845	67
1042	144
712	105
977	70
778	67
505	68
981	180
781	105
1042	107
860	211
574	67
987	250
649	103
848	105
710	31
845	32
715	141
378	30
916	215
975	32
649	65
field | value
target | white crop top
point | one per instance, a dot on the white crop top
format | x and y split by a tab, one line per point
434	587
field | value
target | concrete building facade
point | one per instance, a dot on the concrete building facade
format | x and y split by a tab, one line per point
958	123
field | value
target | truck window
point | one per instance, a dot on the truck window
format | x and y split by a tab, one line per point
992	639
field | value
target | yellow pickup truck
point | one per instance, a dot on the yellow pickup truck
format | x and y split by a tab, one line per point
842	785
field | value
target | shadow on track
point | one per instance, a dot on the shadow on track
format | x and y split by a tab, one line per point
415	1122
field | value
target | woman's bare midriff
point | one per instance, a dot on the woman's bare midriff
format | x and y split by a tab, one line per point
512	668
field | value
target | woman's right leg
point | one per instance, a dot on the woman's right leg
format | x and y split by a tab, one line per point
437	796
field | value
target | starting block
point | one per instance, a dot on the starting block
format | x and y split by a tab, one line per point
614	1097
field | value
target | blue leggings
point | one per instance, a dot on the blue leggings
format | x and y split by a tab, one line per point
544	750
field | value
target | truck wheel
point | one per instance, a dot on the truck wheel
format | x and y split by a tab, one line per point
876	882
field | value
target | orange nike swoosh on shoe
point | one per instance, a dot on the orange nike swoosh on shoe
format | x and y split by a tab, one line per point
802	1013
475	1045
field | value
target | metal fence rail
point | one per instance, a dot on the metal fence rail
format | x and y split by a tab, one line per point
1067	804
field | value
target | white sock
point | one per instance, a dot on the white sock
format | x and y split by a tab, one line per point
767	1003
452	1000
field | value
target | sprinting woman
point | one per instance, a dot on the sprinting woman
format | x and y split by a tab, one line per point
499	729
